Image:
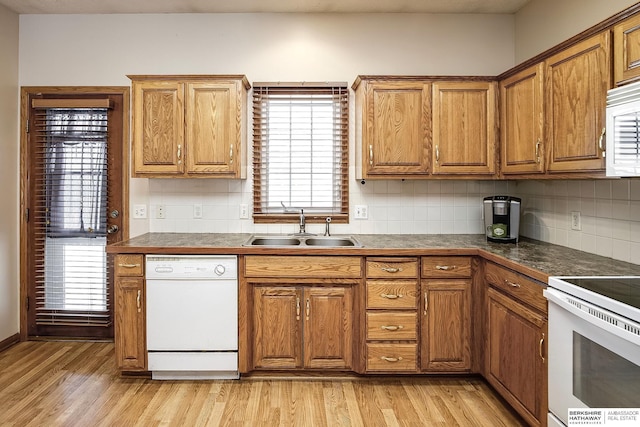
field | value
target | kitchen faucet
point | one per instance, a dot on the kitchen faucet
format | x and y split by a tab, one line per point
302	222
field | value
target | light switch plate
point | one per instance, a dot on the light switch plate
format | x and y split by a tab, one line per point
197	211
244	211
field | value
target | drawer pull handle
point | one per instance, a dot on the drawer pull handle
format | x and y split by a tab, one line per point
138	301
129	265
308	308
540	348
391	359
179	154
391	296
512	284
446	267
370	155
391	269
298	308
391	327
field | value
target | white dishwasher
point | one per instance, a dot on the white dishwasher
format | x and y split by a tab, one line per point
192	316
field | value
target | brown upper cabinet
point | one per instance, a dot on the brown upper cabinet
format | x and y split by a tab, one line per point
189	126
392	127
552	114
464	128
407	125
521	122
626	50
577	80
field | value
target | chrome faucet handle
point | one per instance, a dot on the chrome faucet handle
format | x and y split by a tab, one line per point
326	229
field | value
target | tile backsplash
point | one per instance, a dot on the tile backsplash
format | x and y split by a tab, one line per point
609	210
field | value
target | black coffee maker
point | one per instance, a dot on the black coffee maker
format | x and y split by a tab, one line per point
502	218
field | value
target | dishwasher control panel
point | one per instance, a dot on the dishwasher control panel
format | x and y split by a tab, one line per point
203	267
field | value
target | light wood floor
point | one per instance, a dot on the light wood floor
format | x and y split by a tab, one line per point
76	384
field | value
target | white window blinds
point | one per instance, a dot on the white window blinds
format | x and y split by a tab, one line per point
300	150
69	215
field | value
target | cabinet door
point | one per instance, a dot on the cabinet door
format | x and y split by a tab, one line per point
626	50
446	325
577	80
158	128
464	128
396	120
521	122
327	328
212	129
130	331
277	315
516	362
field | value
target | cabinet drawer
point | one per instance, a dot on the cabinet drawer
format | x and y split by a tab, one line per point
446	266
392	293
325	267
391	326
391	357
516	285
392	267
129	265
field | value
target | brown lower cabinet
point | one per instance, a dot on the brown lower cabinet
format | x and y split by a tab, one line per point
130	321
516	342
299	311
302	327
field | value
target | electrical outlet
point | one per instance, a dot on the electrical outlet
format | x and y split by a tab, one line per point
197	211
140	211
244	211
576	222
362	212
160	211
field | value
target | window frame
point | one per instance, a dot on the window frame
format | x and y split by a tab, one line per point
339	92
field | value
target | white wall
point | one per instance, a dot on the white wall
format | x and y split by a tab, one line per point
9	175
542	24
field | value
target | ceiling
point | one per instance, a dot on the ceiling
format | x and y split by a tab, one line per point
255	6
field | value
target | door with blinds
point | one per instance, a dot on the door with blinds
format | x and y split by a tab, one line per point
75	182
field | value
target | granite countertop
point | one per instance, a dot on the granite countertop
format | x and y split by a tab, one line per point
534	258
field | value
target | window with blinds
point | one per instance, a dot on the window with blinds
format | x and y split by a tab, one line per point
69	215
301	147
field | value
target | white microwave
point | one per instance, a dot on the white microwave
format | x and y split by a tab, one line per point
623	131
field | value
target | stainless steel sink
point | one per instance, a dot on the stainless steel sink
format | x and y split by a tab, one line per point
273	241
330	241
302	241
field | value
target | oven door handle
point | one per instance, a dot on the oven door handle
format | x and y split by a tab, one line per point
594	315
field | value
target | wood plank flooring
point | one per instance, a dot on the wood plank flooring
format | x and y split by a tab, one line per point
76	384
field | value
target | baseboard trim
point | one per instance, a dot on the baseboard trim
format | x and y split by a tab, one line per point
12	340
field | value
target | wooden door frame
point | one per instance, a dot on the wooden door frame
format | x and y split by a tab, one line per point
25	93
